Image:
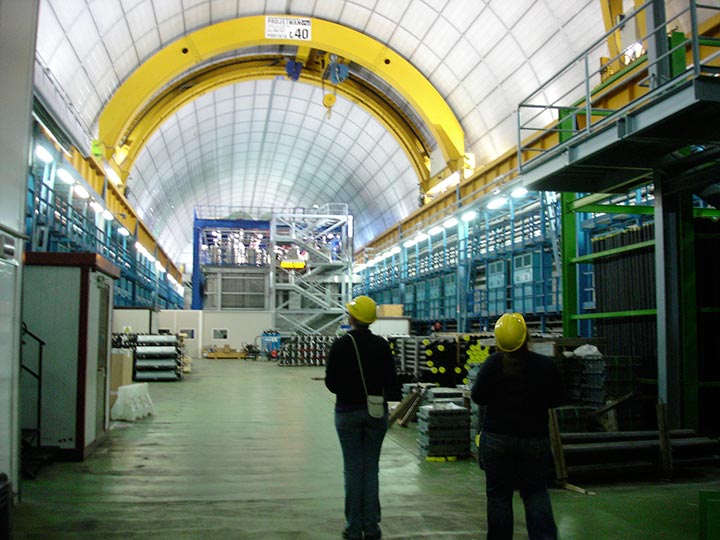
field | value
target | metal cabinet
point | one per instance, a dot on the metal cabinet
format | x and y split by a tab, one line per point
67	302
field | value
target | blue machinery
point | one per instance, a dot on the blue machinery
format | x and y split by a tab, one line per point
295	263
469	271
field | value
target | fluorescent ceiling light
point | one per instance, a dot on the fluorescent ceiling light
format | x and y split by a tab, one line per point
497	202
43	155
112	175
122	231
159	267
395	250
518	192
80	192
450	222
96	207
435	230
469	216
421	236
445	184
65	176
107	214
409	243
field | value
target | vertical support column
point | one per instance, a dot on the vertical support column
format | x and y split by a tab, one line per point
463	273
569	269
657	44
197	277
18	27
677	358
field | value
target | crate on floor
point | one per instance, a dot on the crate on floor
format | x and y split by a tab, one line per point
444	430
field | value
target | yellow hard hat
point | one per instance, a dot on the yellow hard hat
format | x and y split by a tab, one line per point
363	309
510	332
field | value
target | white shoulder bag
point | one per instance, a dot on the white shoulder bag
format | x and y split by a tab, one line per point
375	404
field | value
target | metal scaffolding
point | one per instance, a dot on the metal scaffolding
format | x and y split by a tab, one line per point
311	279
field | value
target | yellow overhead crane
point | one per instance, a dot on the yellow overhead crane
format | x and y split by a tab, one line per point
140	105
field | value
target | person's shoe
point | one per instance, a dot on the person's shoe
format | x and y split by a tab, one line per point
346	536
376	536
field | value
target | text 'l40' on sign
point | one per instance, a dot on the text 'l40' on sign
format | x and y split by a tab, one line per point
297	28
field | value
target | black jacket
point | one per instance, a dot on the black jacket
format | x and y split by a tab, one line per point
342	375
518	397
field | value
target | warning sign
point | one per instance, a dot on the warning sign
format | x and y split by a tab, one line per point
296	28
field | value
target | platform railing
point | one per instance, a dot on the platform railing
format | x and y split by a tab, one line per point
575	102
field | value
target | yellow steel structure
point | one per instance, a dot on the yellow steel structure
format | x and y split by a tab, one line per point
132	98
197	83
622	90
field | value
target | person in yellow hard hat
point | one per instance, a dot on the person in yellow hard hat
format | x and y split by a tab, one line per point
517	386
361	435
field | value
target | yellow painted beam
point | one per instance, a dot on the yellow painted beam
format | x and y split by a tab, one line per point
611	9
623	91
187	89
92	172
147	81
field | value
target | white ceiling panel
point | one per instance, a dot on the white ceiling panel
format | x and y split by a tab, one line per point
383	27
390	10
66	12
535	27
197	16
405	41
509	12
485	32
271	142
166	9
171	28
419	18
355	16
462	14
506	56
141	20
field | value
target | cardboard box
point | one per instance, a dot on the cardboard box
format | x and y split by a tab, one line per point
121	371
390	310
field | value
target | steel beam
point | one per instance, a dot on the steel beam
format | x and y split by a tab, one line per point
188	52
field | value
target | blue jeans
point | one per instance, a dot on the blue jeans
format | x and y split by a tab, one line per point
521	463
361	437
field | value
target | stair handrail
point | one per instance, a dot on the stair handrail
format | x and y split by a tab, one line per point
38	376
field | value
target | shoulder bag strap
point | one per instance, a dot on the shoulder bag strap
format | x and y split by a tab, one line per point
357	354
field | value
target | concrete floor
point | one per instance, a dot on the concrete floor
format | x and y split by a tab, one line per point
246	450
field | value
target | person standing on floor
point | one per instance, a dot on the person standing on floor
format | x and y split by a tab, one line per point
517	386
361	435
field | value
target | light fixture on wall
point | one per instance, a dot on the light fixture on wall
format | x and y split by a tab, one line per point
107	214
419	237
409	243
65	176
518	192
112	175
43	154
96	207
497	202
122	231
452	222
80	192
434	231
469	216
445	184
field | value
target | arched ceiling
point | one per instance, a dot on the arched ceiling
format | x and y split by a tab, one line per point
265	143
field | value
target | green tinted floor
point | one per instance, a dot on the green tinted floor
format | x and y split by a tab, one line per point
247	450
